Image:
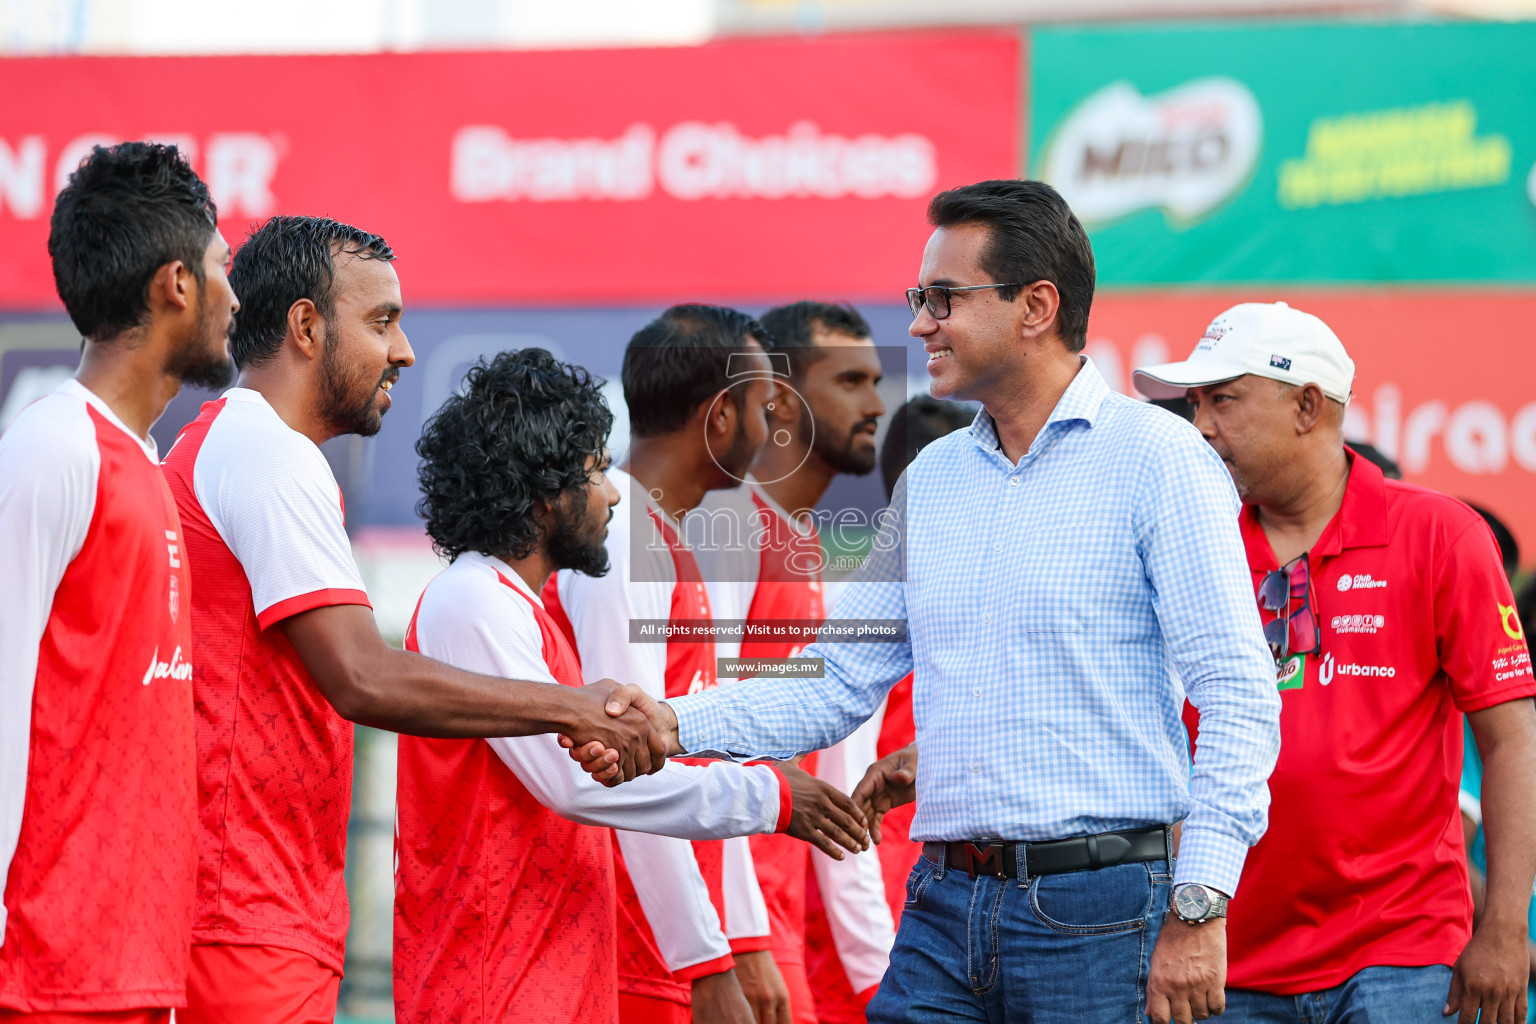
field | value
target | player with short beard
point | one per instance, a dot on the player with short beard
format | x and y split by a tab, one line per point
821	424
291	656
693	930
97	800
505	892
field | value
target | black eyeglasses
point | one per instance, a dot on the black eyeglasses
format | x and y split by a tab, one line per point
936	297
1292	632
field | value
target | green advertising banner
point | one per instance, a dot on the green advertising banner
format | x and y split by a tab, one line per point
1286	152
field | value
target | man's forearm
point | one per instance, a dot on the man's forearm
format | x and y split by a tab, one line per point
373	684
784	718
1507	742
422	697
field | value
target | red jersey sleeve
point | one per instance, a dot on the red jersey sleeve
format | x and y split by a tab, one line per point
271	496
1482	646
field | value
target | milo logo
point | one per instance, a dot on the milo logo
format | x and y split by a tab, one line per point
1291	672
1186	151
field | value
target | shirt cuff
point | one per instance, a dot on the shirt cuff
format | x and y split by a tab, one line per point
276	613
698	720
719	965
786	800
1210	858
751	944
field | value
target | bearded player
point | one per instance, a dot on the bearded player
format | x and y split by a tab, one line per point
694	932
821	424
97	804
283	623
505	903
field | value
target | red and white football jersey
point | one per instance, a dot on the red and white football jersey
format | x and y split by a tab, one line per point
505	905
673	895
775	573
265	535
96	739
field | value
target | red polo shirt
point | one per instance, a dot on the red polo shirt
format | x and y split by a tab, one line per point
1363	864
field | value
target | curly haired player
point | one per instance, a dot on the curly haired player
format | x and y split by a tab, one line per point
506	898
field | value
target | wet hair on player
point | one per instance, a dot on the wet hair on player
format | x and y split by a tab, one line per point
127	211
792	330
918	423
283	261
515	439
1034	236
680	360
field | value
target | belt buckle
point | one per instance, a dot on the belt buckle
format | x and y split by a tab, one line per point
980	857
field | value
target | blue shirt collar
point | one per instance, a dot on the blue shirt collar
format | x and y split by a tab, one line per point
1080	403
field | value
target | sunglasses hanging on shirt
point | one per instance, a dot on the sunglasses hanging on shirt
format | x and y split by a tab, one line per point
1287	591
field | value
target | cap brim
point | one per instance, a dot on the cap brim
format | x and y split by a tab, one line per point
1173	380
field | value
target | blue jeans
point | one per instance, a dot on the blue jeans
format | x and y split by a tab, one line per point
1073	947
1373	995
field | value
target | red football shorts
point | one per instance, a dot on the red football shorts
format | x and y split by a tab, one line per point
258	985
110	1017
648	1010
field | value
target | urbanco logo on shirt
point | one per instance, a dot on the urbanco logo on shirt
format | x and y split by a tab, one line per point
1329	668
1360	581
173	669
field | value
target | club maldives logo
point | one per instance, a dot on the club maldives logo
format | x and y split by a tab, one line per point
1360	581
1186	150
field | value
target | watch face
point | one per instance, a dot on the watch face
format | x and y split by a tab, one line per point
1191	902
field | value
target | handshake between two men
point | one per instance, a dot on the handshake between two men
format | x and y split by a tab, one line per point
620	732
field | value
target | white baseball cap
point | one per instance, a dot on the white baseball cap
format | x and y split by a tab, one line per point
1266	339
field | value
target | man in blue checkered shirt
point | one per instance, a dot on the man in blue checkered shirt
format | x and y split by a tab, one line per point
1068	569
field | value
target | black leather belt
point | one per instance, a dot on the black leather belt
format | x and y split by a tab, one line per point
1084	853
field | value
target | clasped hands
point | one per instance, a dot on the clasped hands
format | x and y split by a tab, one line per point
618	733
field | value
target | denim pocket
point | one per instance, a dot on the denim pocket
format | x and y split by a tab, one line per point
922	874
1117	899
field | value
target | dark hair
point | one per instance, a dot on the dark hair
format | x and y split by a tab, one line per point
918	423
678	361
1035	236
1388	466
514	439
1525	606
1509	548
792	330
283	261
127	211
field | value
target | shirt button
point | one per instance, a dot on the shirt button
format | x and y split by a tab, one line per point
997	547
1013	481
977	691
975	766
986	618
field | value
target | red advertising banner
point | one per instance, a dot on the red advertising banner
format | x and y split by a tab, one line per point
759	169
1442	379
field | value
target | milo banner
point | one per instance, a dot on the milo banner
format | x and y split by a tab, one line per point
1285	152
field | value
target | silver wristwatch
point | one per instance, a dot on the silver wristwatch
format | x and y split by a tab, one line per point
1197	904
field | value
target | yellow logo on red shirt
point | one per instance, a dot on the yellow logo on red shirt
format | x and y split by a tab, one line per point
1510	620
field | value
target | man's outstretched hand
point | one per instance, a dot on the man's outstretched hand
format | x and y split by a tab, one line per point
822	816
611	732
890	782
